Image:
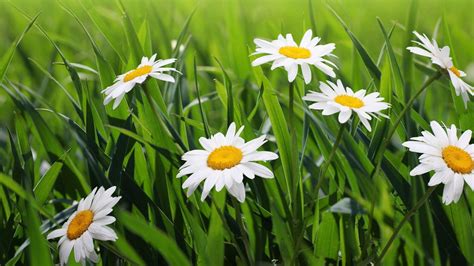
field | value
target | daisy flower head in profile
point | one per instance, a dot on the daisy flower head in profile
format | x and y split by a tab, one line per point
224	162
87	223
149	67
285	52
450	157
335	98
440	57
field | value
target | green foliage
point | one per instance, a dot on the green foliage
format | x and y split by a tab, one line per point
58	140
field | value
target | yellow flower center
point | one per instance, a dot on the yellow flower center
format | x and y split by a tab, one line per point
455	71
79	224
224	157
295	52
137	73
349	101
458	160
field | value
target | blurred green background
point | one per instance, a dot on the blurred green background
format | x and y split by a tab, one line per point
224	30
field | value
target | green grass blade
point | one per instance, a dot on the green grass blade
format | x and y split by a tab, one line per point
155	237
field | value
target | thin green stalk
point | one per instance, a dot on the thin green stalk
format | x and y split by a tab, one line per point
407	107
381	151
243	232
322	174
295	221
325	167
294	145
405	219
227	228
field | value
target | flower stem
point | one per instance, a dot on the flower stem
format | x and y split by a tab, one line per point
409	214
381	151
325	167
293	145
297	212
407	107
243	232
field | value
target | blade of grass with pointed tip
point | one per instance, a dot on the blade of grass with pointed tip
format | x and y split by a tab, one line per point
8	56
369	63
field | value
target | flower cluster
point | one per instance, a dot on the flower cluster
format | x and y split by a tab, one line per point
226	159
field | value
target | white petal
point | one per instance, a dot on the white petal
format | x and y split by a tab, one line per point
253	144
196	178
161	63
238	191
246	171
330	110
305	41
265	59
57	233
209	183
260	156
106	220
464	139
439	132
259	169
87	242
453	189
230	135
469	178
237	174
65	251
292	72
438	178
164	77
344	116
103	233
78	251
306	73
420	169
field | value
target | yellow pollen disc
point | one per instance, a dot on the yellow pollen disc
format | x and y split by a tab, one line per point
458	160
224	157
79	224
295	52
455	71
137	73
349	101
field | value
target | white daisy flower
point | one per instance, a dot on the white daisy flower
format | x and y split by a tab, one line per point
89	222
284	52
451	158
225	161
441	58
125	82
336	98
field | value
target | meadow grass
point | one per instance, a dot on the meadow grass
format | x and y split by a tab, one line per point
339	192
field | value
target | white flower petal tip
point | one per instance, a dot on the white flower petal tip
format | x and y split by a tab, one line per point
149	67
440	56
87	223
285	52
224	162
335	98
451	158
